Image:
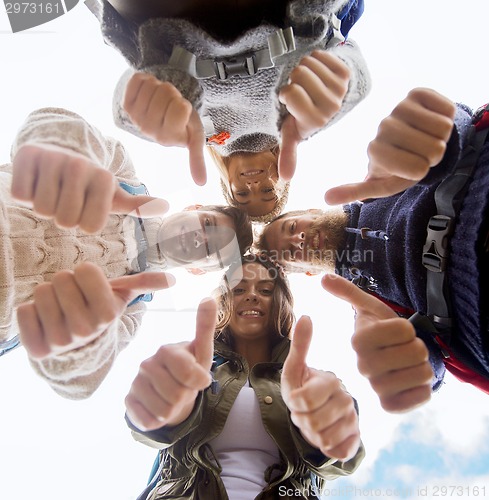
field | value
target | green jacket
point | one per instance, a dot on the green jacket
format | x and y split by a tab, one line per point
190	470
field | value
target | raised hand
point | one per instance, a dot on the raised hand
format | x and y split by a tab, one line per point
77	306
409	141
164	115
389	354
322	410
165	389
313	96
75	192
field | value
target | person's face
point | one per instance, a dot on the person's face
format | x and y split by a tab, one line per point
252	180
252	301
200	239
300	238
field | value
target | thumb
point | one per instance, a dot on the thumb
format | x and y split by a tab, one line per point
140	205
360	300
372	188
204	332
345	193
196	141
290	139
127	288
295	368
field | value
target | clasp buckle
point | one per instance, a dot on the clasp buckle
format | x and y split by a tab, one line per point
243	65
435	250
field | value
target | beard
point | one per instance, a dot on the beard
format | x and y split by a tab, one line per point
323	239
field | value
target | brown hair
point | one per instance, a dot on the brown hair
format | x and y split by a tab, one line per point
281	314
222	163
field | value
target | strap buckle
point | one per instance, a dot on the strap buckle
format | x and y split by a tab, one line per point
279	43
363	282
435	250
336	36
242	65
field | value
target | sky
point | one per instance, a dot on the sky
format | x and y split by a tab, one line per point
53	448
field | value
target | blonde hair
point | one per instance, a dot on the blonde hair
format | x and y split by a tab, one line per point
281	187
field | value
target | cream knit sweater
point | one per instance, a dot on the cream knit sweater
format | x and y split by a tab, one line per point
32	249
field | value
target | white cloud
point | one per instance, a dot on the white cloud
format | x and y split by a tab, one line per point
457	420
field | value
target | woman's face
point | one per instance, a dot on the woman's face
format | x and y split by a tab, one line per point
252	179
252	302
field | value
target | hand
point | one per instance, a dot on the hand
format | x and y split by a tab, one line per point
313	96
409	141
165	389
67	187
389	354
164	115
78	306
319	407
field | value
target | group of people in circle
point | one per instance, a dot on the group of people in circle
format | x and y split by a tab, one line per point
237	412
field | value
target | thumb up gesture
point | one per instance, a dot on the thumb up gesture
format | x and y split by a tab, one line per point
76	307
165	389
164	115
389	354
68	188
411	140
319	406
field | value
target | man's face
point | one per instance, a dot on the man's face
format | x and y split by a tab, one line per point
296	240
200	239
291	240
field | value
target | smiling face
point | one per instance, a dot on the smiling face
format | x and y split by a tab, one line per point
202	239
252	298
309	238
252	180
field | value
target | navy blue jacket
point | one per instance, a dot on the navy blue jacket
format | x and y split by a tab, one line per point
389	256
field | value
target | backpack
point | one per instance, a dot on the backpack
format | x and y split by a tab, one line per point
449	196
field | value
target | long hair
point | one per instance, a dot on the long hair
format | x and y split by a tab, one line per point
281	187
281	311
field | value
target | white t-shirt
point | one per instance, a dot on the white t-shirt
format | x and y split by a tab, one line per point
244	448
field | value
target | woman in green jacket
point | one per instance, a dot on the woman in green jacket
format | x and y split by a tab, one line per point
261	424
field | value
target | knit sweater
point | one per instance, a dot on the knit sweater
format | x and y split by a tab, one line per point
246	107
390	257
33	249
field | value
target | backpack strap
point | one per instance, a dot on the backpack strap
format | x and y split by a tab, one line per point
9	345
279	43
140	236
349	15
449	196
154	476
